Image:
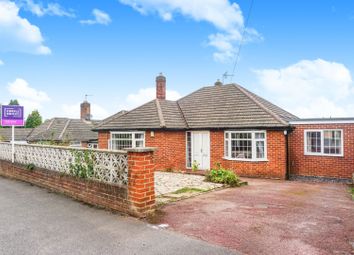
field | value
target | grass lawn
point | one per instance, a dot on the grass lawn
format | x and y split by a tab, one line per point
188	190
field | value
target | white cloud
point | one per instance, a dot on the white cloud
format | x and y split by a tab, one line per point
73	111
100	17
1	63
29	97
310	88
145	95
52	9
17	34
227	17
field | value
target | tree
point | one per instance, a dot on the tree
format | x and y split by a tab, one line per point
34	119
14	102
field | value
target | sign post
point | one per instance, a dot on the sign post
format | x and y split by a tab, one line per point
12	116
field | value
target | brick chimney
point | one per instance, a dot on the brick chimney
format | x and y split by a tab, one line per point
85	110
160	87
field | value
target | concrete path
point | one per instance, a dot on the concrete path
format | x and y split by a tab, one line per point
270	217
34	221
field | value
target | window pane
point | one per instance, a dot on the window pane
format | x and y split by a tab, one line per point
121	141
139	144
139	136
121	144
259	135
260	150
313	140
332	142
241	149
189	149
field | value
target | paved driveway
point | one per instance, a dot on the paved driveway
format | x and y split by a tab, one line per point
270	217
33	221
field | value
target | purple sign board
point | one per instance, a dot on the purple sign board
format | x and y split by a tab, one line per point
12	115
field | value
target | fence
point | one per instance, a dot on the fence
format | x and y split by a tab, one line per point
108	166
120	180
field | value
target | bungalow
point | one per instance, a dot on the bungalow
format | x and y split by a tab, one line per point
224	124
230	125
66	131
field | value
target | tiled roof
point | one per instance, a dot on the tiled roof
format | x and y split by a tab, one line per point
64	129
223	106
152	115
21	134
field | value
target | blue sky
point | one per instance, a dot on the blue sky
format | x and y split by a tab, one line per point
296	53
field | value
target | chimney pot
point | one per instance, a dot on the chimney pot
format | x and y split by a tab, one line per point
218	83
161	87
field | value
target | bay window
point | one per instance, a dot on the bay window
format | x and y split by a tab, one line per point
245	145
324	142
123	140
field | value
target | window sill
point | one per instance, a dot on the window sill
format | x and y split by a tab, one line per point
324	155
246	160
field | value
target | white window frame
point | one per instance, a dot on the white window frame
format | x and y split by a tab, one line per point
191	163
254	149
75	144
133	133
322	143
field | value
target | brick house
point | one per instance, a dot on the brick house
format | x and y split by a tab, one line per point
230	125
220	123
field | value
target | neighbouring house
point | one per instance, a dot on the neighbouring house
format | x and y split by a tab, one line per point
224	124
322	148
21	134
66	131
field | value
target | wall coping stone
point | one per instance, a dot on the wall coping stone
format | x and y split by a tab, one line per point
146	149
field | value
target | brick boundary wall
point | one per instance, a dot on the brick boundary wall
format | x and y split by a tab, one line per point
137	198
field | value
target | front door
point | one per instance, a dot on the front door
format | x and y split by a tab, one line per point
201	149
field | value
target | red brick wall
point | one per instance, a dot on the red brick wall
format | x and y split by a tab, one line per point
92	192
171	153
325	166
103	138
137	199
275	167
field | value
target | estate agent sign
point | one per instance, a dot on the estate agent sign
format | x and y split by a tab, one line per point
12	115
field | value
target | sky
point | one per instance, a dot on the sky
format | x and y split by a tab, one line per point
296	53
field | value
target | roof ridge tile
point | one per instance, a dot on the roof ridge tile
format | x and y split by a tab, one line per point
64	129
160	113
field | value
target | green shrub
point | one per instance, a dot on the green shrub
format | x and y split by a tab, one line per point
83	165
195	166
30	167
224	176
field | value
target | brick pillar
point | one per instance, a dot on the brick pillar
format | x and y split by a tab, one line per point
141	181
